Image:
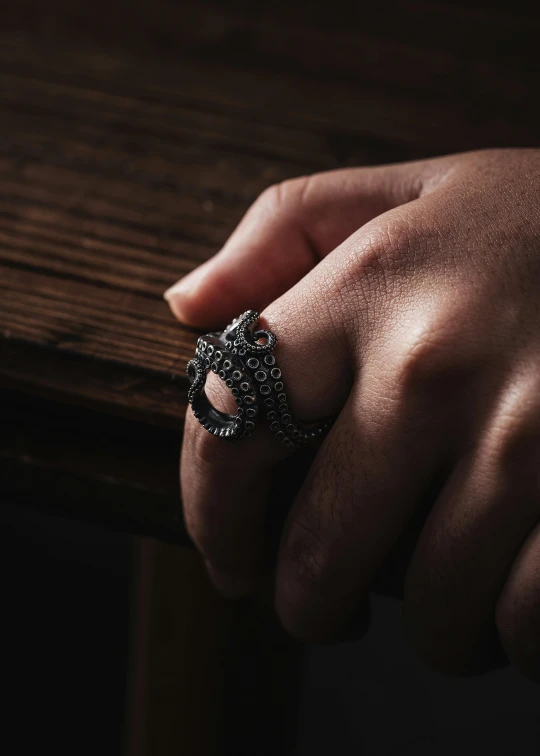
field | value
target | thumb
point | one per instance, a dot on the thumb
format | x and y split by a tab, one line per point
286	232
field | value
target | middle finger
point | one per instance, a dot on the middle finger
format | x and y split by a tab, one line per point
225	483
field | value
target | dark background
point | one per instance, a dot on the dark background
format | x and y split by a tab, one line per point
65	618
208	103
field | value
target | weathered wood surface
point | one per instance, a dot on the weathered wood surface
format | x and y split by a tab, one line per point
133	136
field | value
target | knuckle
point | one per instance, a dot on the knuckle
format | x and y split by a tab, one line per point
378	258
435	353
271	199
391	242
513	440
283	197
426	359
374	253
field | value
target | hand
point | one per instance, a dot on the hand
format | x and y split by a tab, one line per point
406	300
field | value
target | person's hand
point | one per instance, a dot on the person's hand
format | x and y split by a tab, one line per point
406	300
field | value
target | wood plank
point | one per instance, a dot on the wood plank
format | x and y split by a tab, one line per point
98	385
208	676
88	465
459	107
130	151
108	323
177	677
133	136
449	56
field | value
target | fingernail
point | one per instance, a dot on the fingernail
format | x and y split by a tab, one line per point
185	286
233	585
179	287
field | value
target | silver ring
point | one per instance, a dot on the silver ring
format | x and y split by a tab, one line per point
243	359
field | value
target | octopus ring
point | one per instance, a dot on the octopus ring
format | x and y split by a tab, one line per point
242	358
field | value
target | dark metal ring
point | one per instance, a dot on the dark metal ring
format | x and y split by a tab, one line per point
242	357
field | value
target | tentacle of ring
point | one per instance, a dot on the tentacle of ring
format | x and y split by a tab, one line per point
247	339
273	397
197	375
251	372
211	354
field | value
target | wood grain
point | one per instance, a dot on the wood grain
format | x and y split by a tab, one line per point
133	136
84	464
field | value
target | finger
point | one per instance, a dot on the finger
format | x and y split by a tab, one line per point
518	609
225	484
224	505
318	323
472	536
363	488
287	231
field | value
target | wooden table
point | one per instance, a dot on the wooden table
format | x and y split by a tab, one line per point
133	138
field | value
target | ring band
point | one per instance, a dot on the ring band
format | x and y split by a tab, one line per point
242	358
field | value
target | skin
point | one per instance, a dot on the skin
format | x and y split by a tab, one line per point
406	300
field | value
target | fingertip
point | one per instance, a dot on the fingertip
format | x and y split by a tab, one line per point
188	301
179	304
